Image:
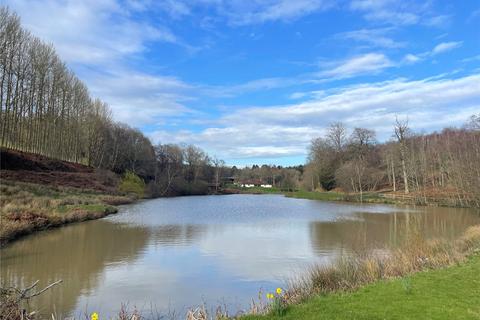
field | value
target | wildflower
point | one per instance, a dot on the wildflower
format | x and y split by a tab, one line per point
94	316
269	295
279	290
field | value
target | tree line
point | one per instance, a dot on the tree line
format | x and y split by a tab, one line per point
443	164
47	110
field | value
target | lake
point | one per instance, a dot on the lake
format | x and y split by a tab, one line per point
174	253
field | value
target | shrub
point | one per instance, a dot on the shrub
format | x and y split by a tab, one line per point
131	183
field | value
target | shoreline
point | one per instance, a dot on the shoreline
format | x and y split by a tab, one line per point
446	292
89	205
28	208
368	197
431	261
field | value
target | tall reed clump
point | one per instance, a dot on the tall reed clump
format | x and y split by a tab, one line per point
352	272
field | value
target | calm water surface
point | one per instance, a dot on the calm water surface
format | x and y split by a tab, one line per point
169	254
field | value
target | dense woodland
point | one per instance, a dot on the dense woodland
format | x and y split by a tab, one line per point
46	109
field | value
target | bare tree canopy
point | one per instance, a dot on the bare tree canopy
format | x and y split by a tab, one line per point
444	163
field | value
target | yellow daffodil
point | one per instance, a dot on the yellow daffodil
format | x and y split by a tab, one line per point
94	316
279	290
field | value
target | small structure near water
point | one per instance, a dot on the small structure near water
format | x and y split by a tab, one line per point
253	183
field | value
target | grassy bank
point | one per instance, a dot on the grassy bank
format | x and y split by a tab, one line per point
255	190
407	283
370	197
325	196
449	293
27	208
367	197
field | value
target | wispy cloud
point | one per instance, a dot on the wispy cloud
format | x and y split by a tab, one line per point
254	12
400	12
411	58
446	46
439	21
438	49
248	87
372	37
104	31
278	10
388	11
370	63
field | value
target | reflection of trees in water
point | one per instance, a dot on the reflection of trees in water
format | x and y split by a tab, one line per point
77	254
177	234
373	230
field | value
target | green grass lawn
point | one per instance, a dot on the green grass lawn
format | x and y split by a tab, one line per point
449	293
326	196
254	190
368	197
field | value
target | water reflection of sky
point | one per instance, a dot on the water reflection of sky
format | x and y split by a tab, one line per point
178	252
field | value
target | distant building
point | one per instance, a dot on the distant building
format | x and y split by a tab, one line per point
228	180
254	183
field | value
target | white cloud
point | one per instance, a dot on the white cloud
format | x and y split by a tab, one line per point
287	130
279	10
440	48
394	12
249	86
99	38
446	46
242	13
411	58
260	11
373	37
439	21
401	12
137	98
89	32
370	63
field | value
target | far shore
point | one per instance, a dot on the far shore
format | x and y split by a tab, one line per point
30	208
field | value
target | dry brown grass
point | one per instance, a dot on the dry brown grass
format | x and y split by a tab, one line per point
26	208
349	273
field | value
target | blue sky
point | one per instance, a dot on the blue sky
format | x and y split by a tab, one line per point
255	81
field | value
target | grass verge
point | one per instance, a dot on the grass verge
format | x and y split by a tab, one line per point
27	208
368	197
406	283
448	293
